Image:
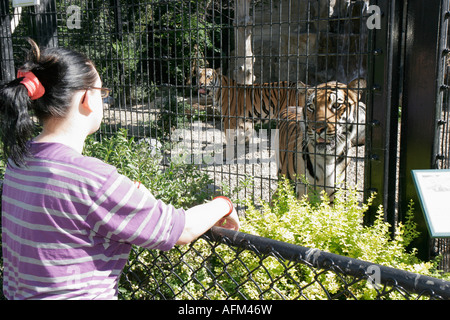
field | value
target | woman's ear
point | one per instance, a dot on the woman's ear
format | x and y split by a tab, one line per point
85	102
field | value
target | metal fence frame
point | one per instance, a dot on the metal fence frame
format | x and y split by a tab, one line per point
423	108
358	270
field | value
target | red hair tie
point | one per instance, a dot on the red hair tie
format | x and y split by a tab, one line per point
32	83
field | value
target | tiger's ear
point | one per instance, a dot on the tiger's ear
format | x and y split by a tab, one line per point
302	87
219	70
358	85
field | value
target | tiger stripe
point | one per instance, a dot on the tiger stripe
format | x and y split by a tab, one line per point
241	105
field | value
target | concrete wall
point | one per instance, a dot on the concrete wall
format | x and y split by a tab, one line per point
309	40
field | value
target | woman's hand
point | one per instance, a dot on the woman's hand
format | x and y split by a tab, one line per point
201	218
229	222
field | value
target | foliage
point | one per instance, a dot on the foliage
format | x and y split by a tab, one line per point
335	228
179	183
153	43
138	47
172	116
181	29
182	185
220	271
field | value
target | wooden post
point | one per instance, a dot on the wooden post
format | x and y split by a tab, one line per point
243	72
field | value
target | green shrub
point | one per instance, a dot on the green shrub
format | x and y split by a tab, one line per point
182	185
218	271
335	228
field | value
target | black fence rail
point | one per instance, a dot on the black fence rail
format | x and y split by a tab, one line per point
217	267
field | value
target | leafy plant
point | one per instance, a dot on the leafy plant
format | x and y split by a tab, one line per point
180	29
180	184
138	48
335	228
220	271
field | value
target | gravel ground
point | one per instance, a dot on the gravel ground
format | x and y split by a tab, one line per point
257	163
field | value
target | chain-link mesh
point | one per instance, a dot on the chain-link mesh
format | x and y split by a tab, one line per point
213	267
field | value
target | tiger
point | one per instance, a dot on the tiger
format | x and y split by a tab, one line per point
241	105
314	139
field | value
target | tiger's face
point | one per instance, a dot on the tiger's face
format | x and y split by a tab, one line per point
331	111
206	81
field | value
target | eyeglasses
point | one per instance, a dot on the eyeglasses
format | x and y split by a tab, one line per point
104	91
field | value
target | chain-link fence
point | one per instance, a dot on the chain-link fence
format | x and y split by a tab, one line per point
217	267
153	54
226	264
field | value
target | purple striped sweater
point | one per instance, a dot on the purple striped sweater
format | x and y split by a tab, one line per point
68	223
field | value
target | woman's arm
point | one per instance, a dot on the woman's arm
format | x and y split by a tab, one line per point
201	218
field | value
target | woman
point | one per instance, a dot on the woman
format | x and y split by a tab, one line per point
68	221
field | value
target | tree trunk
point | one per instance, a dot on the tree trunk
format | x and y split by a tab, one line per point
7	70
243	72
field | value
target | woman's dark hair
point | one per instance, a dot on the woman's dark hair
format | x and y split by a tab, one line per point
61	72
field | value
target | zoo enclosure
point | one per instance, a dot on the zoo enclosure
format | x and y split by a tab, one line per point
146	51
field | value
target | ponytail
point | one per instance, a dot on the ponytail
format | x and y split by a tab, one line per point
16	123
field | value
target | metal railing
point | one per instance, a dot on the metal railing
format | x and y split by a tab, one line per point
217	267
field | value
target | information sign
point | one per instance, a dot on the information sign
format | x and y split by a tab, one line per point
433	188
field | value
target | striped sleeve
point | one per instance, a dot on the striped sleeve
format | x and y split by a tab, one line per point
121	212
68	222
